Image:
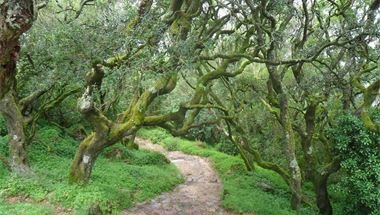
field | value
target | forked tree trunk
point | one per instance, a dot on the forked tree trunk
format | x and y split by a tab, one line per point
15	125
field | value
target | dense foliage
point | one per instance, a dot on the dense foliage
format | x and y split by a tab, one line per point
263	82
359	150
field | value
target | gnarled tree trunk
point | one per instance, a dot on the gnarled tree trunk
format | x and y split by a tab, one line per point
8	106
107	132
14	122
85	157
16	17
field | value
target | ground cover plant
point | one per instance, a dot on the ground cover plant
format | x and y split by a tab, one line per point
243	191
119	180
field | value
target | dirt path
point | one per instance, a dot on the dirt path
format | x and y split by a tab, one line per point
199	195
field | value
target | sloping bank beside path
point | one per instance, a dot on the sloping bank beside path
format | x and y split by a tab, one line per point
241	190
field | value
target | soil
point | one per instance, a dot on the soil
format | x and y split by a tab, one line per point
198	195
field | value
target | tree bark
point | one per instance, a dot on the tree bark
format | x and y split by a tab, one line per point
8	106
16	17
295	172
129	142
15	126
294	168
323	200
85	158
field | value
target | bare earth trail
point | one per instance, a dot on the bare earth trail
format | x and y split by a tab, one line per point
198	195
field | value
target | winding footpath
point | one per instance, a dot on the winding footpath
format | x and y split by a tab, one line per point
198	195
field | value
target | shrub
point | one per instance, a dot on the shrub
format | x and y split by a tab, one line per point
149	158
49	139
359	150
227	147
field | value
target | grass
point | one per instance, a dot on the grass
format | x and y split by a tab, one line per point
117	182
24	208
241	191
122	177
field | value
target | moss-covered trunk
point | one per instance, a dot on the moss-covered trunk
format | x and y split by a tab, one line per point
294	169
15	126
9	51
85	158
16	17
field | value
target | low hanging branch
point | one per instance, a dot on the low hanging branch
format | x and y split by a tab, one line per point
198	102
25	103
243	145
107	132
32	114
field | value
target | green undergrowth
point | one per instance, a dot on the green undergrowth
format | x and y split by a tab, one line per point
242	191
24	208
120	178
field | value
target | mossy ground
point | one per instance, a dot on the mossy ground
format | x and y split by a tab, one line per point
116	183
241	190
